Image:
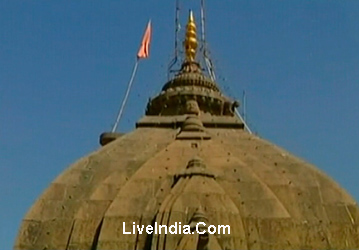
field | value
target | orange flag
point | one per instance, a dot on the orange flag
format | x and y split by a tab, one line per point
145	45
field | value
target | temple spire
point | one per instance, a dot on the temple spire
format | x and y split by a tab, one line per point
190	43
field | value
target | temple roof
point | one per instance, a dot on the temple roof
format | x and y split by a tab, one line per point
271	199
188	160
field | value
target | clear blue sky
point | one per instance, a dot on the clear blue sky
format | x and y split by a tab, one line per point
64	66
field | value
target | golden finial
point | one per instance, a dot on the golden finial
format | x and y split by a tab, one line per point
190	43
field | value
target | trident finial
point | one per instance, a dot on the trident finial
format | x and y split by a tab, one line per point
190	43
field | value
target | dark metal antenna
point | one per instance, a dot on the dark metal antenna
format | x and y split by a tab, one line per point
207	60
244	100
177	29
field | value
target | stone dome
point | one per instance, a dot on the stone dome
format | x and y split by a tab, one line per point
162	172
190	160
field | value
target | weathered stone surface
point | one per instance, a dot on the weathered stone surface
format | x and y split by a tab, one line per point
271	199
189	159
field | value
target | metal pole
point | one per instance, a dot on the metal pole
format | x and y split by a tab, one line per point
244	105
244	122
126	96
207	60
178	27
203	23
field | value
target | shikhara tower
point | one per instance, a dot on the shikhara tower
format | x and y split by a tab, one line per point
190	160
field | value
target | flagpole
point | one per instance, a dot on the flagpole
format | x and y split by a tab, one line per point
142	53
126	96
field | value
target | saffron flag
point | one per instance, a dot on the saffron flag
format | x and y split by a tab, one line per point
145	45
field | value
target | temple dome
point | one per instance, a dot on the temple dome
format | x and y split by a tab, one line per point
271	199
189	160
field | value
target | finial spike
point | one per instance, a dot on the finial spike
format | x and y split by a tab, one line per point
190	43
191	18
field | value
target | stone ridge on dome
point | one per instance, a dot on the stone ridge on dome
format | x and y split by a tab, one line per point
190	77
190	84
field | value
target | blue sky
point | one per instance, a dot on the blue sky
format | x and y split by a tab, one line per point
64	66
